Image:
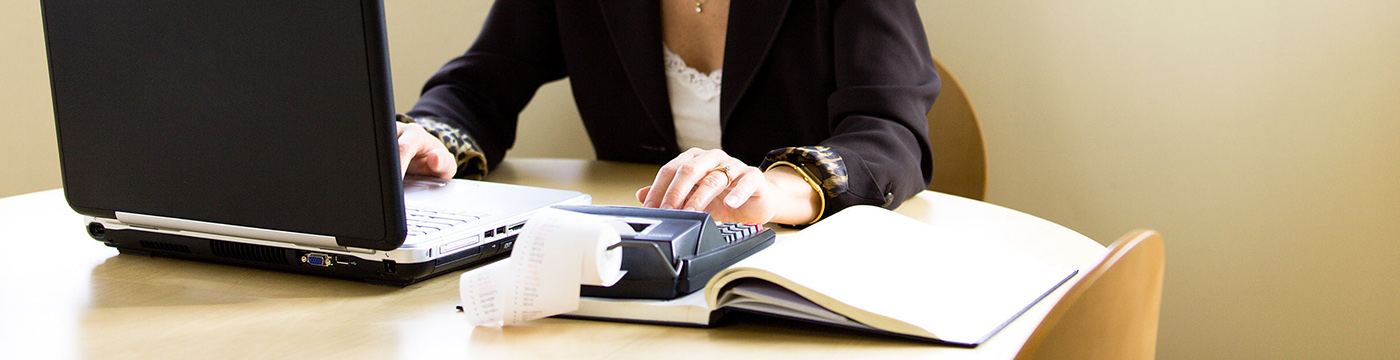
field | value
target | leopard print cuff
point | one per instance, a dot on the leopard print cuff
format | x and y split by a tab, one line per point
471	162
821	162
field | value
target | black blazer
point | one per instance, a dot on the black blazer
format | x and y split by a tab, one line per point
853	75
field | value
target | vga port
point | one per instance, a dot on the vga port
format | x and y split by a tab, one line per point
317	259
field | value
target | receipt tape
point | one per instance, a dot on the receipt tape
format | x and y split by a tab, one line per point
556	252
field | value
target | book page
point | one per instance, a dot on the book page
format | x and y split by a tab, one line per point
754	294
897	274
690	309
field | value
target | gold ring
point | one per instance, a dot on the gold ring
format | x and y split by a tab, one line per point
725	170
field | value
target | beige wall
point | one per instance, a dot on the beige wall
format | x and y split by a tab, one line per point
28	144
1261	137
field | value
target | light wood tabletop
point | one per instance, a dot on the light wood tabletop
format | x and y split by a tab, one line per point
64	295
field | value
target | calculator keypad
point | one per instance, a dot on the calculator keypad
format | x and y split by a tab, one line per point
735	232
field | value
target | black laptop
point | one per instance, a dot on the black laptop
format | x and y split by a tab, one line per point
257	133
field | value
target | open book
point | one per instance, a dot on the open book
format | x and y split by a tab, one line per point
864	268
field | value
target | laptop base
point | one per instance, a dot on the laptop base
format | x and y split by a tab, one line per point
329	264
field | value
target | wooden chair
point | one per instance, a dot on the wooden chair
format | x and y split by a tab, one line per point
1112	313
959	155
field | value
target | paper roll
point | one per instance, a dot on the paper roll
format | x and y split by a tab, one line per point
602	266
554	254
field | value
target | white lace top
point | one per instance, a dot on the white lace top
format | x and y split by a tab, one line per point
694	103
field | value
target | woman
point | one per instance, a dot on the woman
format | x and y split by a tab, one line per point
820	104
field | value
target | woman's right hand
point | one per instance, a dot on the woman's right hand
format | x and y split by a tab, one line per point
731	191
422	154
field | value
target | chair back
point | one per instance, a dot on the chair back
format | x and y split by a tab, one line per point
959	155
1112	312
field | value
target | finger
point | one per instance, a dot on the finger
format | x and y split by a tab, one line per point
642	194
665	176
408	149
444	163
433	162
746	183
688	175
705	191
423	154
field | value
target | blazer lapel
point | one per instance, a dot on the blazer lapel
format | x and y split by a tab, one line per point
635	28
753	24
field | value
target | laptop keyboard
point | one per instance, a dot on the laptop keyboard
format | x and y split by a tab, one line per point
423	221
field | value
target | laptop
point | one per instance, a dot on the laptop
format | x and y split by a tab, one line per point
258	133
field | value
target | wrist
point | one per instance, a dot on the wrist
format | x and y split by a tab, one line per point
801	201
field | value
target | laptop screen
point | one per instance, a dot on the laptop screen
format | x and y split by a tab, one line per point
265	113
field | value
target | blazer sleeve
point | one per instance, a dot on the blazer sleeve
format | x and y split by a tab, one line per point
481	93
879	152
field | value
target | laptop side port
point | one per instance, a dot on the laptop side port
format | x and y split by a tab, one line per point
97	231
317	259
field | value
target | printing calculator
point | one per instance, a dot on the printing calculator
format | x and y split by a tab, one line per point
672	253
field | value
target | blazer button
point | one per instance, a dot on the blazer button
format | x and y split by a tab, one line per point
889	199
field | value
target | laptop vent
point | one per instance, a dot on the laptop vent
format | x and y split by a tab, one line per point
249	252
160	246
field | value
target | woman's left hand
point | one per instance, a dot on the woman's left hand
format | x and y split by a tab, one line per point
422	154
713	182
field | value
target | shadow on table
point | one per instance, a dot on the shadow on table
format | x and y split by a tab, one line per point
130	280
739	325
754	335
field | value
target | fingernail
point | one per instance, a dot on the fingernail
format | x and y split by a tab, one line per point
731	201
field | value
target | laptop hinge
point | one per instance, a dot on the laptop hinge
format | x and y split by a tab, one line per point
166	223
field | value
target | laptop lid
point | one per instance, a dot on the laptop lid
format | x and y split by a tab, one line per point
262	114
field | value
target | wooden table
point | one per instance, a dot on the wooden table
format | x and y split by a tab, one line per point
64	295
